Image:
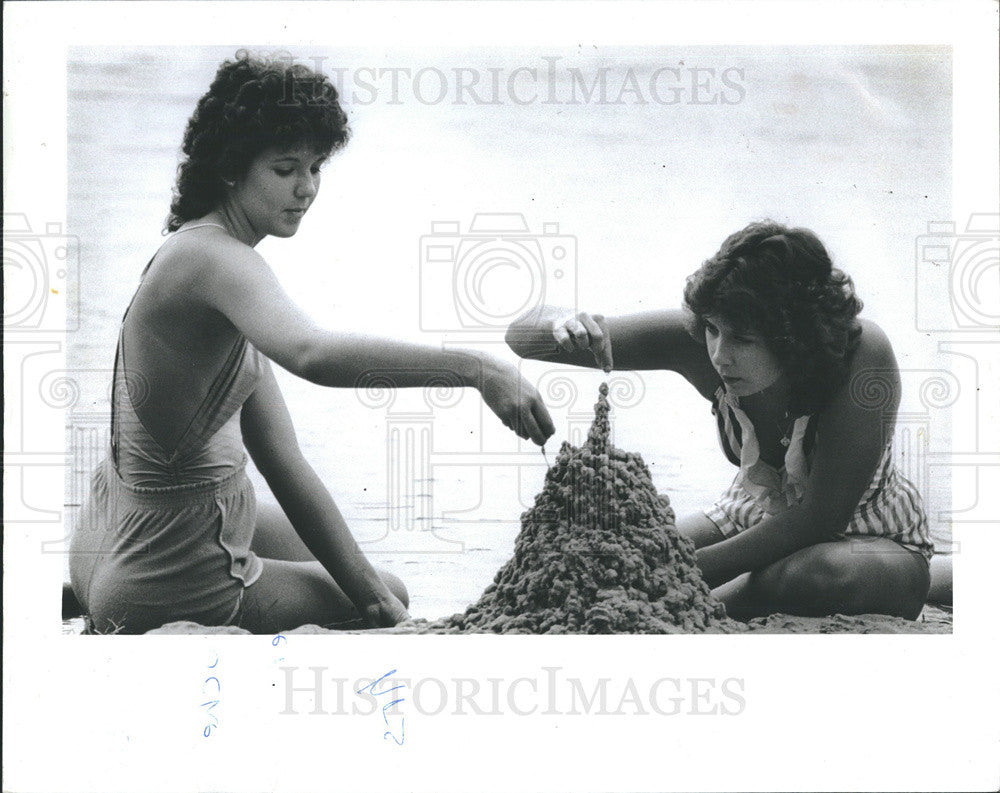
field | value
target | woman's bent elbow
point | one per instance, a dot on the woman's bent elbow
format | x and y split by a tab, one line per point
306	362
524	333
516	337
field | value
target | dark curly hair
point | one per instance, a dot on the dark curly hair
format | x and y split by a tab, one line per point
780	284
252	105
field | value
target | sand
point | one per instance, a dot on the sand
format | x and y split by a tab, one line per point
932	620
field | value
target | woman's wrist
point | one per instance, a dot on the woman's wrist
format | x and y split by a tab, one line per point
473	367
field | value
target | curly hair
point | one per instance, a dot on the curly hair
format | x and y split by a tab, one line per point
779	283
252	105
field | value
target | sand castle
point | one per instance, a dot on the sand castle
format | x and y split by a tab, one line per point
597	553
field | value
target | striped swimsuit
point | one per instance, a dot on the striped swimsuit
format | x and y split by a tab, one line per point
890	507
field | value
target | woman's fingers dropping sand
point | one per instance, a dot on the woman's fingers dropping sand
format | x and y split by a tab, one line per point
543	419
602	349
562	337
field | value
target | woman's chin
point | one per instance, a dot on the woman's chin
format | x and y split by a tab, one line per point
285	230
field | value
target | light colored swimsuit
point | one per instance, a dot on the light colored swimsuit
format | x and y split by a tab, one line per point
165	535
890	507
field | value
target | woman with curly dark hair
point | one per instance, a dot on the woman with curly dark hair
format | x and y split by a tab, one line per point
171	530
818	520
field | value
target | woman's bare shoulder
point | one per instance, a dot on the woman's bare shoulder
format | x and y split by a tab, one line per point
202	260
874	348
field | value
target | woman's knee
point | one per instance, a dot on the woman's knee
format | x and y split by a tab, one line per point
837	577
396	586
700	530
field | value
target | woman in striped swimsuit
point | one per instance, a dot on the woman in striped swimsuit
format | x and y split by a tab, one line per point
818	520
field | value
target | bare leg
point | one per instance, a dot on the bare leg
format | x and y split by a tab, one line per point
940	580
290	594
294	588
700	530
276	538
871	575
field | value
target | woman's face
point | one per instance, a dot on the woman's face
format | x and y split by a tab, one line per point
279	186
742	360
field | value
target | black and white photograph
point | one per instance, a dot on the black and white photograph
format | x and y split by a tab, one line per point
645	332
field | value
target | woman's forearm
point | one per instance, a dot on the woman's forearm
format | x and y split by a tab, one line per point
350	360
312	511
772	539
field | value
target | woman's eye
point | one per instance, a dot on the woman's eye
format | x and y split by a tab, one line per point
284	171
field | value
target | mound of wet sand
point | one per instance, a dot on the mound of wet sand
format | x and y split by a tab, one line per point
597	553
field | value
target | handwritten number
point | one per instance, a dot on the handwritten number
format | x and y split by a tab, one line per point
376	682
210	704
402	733
371	687
386	707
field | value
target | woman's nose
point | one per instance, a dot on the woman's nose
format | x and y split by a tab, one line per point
306	187
720	353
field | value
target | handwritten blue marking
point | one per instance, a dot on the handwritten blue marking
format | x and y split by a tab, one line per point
402	721
210	704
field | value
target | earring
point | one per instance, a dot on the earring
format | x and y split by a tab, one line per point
227	183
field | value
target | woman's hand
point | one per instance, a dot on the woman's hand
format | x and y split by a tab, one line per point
515	401
385	613
588	332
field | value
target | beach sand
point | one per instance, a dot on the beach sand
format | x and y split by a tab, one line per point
932	620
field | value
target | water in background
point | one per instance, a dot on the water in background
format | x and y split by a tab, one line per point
854	143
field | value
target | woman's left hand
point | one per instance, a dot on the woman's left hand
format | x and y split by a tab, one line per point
516	402
385	612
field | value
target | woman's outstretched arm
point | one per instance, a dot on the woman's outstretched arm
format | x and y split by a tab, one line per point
851	436
236	281
270	438
647	340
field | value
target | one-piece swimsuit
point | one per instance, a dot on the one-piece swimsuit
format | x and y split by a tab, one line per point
165	534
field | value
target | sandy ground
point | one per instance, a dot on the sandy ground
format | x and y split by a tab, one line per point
931	620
